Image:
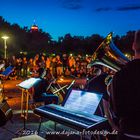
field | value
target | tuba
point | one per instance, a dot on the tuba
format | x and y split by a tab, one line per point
108	55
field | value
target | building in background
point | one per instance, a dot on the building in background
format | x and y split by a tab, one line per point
34	27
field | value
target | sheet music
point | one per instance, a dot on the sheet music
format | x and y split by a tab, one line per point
1	66
27	84
7	71
83	101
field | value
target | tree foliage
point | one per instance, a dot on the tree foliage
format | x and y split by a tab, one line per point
23	40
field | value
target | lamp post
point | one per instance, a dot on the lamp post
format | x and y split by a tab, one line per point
5	45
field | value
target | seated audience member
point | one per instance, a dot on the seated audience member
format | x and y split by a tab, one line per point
125	96
39	90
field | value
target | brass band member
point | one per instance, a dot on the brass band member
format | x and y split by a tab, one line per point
125	96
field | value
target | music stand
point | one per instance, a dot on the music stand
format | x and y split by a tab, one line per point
5	74
25	86
8	71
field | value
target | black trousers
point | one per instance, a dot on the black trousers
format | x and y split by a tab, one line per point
124	137
47	98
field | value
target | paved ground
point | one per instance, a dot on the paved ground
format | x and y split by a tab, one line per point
7	132
14	100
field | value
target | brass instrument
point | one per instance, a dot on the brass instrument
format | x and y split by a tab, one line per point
108	55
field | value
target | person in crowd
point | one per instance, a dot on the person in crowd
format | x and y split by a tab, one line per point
13	60
39	89
125	96
53	67
72	62
65	64
48	63
82	73
24	66
18	67
30	67
59	66
73	72
89	72
36	63
67	72
42	61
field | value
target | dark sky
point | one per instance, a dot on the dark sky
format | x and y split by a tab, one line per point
78	17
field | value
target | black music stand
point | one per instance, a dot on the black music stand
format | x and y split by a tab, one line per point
22	130
25	86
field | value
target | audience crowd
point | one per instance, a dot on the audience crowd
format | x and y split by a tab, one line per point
65	65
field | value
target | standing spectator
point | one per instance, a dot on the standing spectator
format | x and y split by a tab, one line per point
53	66
42	63
18	67
13	61
24	66
48	63
59	66
65	63
72	62
30	65
36	62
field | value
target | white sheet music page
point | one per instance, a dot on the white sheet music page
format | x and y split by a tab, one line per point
27	84
83	101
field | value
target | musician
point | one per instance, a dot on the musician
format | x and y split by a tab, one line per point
39	90
97	84
125	96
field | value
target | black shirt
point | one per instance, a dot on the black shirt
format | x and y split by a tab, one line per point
40	87
125	97
97	84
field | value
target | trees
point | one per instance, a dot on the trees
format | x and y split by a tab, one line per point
21	39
